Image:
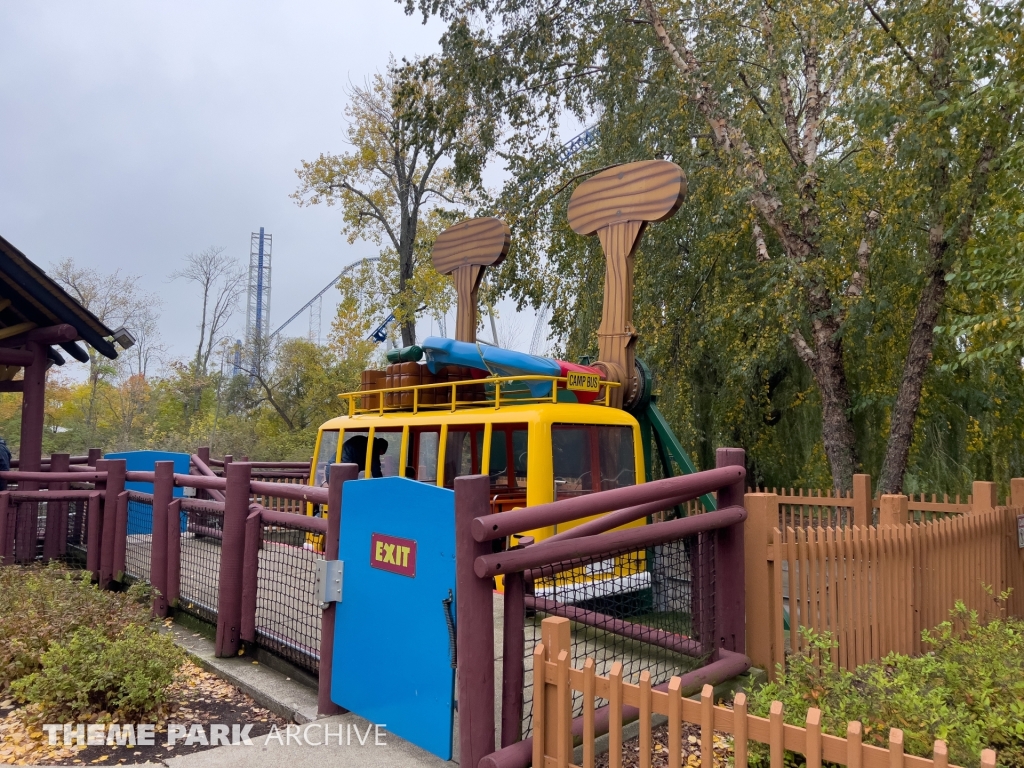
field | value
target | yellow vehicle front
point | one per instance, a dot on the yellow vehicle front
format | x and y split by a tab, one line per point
535	450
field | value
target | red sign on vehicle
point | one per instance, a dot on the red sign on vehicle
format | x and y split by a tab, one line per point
389	553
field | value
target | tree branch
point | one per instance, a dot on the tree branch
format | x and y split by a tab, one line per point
803	350
858	280
762	247
377	211
885	27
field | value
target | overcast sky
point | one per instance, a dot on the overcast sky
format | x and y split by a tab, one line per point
132	133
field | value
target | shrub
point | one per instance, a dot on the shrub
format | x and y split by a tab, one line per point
41	605
968	690
93	676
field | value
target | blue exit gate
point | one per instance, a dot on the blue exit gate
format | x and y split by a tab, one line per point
395	624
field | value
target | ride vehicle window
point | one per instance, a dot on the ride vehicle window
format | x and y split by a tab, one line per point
326	456
424	445
462	453
390	458
588	458
508	440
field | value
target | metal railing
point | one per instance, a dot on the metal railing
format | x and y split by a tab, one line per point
506	390
662	599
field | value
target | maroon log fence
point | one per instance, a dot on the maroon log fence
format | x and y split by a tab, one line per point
50	513
247	569
236	563
587	574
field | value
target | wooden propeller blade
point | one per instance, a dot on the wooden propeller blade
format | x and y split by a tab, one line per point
617	205
465	251
651	190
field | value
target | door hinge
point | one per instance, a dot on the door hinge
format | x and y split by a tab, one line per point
330	575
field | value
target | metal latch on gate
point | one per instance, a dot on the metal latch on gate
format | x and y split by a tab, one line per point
330	574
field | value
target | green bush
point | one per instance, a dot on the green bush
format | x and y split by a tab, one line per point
42	605
968	690
92	674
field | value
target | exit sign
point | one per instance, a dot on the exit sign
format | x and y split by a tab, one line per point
390	553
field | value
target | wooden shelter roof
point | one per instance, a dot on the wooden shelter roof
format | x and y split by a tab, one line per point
30	300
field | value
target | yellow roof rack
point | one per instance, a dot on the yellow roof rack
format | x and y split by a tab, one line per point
490	392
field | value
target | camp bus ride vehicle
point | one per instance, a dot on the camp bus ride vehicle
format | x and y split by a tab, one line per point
542	430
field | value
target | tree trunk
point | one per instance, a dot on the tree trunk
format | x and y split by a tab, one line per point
919	356
405	266
836	430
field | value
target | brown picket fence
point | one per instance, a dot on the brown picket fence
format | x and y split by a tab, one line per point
808	507
558	685
873	588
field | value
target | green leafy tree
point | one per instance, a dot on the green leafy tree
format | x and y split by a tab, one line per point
839	156
415	150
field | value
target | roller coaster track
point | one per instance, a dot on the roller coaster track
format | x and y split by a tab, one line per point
324	290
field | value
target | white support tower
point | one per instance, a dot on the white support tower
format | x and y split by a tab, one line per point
315	311
257	313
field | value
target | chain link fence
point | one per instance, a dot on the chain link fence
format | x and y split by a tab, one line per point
139	541
648	609
288	614
200	559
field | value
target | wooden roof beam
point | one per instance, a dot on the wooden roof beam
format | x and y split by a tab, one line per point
51	334
14	330
18	357
75	351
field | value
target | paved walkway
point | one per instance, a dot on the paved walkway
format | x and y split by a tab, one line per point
295	702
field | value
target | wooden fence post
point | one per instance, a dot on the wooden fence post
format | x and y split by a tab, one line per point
56	537
475	627
121	537
339	475
7	518
863	514
893	509
985	496
163	494
95	455
762	516
1017	492
556	634
232	559
730	613
94	523
173	581
251	575
116	469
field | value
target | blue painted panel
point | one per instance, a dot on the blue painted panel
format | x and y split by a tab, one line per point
392	662
145	461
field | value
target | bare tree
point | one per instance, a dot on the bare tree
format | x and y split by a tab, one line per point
116	300
221	281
